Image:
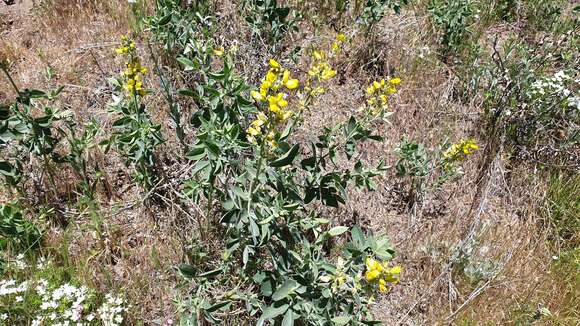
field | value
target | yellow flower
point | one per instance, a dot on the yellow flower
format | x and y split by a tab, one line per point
271	140
371	89
372	275
218	51
253	131
376	85
282	116
384	99
289	83
257	123
340	37
271	76
274	64
383	286
292	83
395	81
318	55
258	96
469	147
391	275
373	264
277	102
328	73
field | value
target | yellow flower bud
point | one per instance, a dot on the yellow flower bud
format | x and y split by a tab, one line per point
274	64
395	81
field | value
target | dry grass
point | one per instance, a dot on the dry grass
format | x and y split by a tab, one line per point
137	246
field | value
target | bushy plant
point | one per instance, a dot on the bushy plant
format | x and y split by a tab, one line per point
271	21
374	10
430	170
535	107
29	126
16	232
275	266
453	18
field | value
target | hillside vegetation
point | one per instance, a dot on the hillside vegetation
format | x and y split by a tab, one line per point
270	162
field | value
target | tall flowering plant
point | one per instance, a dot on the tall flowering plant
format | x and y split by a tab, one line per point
134	133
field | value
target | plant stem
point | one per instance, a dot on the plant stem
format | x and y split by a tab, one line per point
10	79
258	170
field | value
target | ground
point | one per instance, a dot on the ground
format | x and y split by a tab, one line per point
493	218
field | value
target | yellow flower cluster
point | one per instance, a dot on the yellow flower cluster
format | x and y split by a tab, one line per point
340	38
460	150
127	46
378	95
270	92
133	71
381	274
320	70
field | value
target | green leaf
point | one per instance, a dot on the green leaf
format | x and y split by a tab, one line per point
338	230
287	158
273	311
164	20
36	93
357	235
186	62
288	318
285	290
341	320
186	270
218	306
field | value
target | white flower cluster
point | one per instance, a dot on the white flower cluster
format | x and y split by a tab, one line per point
64	305
557	86
9	287
112	310
17	263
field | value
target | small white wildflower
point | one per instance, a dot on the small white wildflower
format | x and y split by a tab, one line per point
19	299
41	263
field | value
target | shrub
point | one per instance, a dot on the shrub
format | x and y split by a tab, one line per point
29	126
453	18
275	254
271	21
